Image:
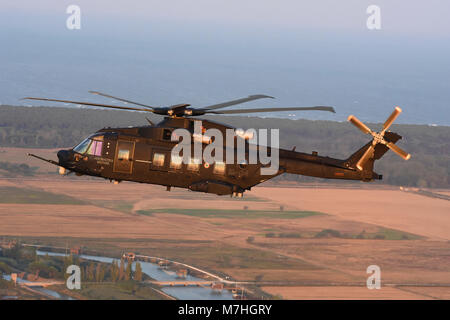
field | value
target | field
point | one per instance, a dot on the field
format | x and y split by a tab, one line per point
295	242
19	155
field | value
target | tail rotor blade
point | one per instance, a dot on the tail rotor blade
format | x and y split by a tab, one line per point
392	118
361	126
366	156
402	153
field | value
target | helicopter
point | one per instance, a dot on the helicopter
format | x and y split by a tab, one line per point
144	153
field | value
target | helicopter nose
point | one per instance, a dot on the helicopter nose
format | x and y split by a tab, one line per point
63	156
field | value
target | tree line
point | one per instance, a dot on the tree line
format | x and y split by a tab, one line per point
46	266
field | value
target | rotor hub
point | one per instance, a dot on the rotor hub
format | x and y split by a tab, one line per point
378	137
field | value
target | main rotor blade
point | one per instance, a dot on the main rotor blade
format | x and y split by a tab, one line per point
120	99
402	153
361	126
318	108
88	104
366	156
392	118
234	102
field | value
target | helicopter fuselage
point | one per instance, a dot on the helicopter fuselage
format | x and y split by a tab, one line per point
144	154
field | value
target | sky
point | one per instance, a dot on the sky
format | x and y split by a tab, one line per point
399	16
206	51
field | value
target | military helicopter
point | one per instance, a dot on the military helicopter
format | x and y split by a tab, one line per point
144	153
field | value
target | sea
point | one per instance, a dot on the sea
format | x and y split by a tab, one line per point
362	73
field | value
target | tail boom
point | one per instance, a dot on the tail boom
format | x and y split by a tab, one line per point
324	167
329	168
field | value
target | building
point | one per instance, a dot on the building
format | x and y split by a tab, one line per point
75	250
217	286
8	244
130	256
182	273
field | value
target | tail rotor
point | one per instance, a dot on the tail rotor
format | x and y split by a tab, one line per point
378	138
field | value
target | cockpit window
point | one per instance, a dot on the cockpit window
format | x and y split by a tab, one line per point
92	146
83	146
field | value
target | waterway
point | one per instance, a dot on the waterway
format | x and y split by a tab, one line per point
46	291
159	274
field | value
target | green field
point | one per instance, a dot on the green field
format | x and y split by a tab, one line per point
391	234
246	214
381	234
32	196
119	291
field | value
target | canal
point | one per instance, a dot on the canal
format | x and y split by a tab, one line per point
160	274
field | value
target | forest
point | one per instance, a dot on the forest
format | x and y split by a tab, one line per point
60	127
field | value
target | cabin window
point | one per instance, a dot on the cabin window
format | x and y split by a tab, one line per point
194	164
219	167
176	162
96	148
158	159
123	154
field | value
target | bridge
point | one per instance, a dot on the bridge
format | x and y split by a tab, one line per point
220	279
182	283
41	284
